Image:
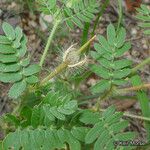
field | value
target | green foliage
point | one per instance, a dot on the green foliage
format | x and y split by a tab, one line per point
111	68
57	122
45	139
109	130
72	12
144	16
14	63
53	107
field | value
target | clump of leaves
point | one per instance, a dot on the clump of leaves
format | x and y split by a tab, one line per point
15	64
57	122
144	16
111	67
71	12
48	115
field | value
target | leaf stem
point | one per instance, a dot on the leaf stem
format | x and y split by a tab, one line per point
144	102
132	116
104	6
120	14
135	88
143	63
50	38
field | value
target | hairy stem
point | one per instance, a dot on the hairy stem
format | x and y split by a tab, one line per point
142	64
49	41
65	64
57	70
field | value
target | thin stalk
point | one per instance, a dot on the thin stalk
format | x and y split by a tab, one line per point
103	97
50	38
132	116
141	65
134	88
103	8
144	102
120	14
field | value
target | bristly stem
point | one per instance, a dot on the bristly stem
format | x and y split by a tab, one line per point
57	70
143	63
50	38
65	64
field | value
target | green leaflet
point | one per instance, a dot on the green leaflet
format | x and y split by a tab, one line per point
79	133
7	49
119	64
30	70
32	79
25	62
10	77
17	89
111	34
101	86
104	43
88	117
112	69
121	73
19	35
8	58
4	40
9	67
100	71
120	38
57	114
9	31
12	119
119	52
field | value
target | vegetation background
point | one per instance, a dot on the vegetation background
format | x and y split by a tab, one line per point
36	26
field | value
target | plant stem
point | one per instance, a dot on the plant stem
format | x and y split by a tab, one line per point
120	14
104	6
132	116
57	70
50	38
83	48
143	63
144	102
134	88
